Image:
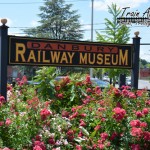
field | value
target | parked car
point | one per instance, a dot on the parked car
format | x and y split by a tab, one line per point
100	83
106	78
95	81
32	83
59	78
128	82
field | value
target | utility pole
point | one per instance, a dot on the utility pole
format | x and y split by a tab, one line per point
91	69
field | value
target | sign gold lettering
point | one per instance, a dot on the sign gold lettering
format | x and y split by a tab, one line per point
20	50
29	51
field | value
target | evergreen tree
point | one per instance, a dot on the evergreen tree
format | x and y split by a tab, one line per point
58	21
114	33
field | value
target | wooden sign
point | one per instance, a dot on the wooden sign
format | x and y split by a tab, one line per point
32	51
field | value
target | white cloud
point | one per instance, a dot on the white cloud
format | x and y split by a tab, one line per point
34	23
86	27
103	4
145	52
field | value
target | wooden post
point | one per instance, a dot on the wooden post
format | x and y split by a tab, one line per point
135	69
122	80
3	57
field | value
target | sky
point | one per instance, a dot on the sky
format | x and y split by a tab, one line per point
23	14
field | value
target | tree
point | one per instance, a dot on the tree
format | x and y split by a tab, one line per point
58	21
114	33
143	62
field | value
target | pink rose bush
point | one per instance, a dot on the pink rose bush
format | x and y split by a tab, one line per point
78	116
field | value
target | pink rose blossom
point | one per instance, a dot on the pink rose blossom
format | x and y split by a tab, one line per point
82	123
119	113
80	134
57	88
97	127
8	122
113	136
98	90
88	80
2	99
103	119
66	79
125	92
88	90
148	102
6	148
135	147
139	114
1	123
37	147
70	135
146	136
131	95
136	132
51	141
60	95
45	113
143	125
135	123
65	114
83	115
101	146
117	92
104	136
78	147
73	115
145	111
139	93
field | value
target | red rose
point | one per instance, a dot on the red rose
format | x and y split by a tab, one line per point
139	114
135	123
145	111
51	141
119	113
137	132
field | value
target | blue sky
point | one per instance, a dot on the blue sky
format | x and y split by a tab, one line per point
22	14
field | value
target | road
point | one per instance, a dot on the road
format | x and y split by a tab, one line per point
141	84
144	84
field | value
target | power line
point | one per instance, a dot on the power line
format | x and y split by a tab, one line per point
16	3
81	29
20	3
81	25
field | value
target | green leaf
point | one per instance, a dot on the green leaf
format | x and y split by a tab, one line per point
84	131
93	133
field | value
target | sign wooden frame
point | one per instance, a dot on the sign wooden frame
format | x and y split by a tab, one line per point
35	51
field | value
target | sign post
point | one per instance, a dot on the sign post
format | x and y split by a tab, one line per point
3	58
135	69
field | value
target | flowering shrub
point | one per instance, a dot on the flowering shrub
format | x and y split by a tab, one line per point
79	117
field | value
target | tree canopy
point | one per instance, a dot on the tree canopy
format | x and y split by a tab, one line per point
57	21
114	33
